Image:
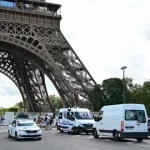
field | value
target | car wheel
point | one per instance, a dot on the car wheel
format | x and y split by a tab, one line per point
76	131
9	136
95	134
139	139
16	136
116	136
61	131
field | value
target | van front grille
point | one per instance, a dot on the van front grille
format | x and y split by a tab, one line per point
88	126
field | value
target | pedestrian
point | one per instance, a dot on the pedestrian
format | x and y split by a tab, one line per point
39	121
46	122
50	122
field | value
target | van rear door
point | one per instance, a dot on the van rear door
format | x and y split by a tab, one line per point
135	121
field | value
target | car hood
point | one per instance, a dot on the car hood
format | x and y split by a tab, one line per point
91	121
28	128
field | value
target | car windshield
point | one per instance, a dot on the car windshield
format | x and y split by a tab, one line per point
26	124
82	115
138	115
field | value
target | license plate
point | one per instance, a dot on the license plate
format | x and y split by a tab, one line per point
31	133
129	129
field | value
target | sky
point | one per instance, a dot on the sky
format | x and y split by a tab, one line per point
106	35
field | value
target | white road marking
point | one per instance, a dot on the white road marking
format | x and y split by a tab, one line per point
90	137
140	145
76	136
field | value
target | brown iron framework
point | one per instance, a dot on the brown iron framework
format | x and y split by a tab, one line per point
32	45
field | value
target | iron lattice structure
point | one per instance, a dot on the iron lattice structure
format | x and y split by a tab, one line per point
31	46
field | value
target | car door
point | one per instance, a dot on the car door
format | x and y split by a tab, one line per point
13	127
100	123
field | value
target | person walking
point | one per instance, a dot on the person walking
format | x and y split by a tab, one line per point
50	122
46	120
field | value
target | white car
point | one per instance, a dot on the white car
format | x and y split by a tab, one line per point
24	128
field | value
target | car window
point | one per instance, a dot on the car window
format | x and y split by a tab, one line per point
139	115
25	124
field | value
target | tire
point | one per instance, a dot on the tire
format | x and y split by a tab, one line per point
139	139
40	138
61	131
75	131
9	136
87	133
16	136
116	136
57	127
95	134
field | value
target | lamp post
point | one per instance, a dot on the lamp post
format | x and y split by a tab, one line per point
123	68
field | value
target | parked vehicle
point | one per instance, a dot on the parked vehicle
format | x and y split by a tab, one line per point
149	126
24	128
75	120
122	121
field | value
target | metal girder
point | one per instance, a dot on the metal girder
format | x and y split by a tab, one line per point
28	78
44	50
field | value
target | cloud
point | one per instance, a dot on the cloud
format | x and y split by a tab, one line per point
107	34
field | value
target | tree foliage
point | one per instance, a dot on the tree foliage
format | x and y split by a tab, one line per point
111	92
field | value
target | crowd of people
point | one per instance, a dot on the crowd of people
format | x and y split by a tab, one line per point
46	121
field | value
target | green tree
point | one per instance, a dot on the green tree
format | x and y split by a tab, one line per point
113	91
96	97
57	101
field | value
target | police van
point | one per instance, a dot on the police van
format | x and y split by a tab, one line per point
122	121
75	120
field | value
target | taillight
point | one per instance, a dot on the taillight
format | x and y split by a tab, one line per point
122	125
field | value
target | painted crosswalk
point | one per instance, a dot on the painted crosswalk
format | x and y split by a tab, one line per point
4	130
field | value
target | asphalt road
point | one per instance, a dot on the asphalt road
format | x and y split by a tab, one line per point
53	140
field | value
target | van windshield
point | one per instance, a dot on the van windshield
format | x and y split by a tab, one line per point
82	115
139	115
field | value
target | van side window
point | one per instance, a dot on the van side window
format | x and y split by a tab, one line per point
100	115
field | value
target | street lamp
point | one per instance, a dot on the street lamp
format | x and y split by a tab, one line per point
123	68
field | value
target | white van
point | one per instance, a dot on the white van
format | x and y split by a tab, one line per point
75	120
122	121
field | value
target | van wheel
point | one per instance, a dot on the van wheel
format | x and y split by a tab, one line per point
95	134
76	131
61	131
116	136
57	127
139	139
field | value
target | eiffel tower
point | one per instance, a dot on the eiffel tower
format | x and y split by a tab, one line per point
32	46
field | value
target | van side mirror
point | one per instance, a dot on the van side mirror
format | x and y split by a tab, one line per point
60	116
95	118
